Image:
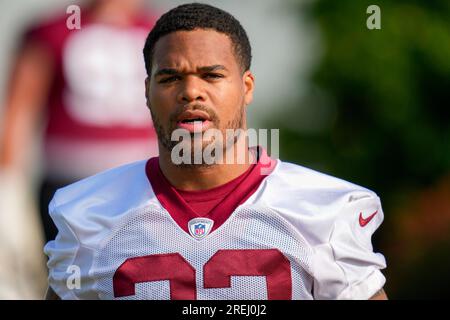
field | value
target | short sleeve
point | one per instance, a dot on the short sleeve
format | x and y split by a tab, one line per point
346	266
61	253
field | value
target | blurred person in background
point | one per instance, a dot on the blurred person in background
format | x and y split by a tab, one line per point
85	85
89	80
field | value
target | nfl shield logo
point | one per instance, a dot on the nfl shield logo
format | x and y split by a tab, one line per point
200	227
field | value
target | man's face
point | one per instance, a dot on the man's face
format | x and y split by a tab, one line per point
196	75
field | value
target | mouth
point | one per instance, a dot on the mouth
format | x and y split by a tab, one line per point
194	121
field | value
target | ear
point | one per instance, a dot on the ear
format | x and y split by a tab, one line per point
249	86
147	91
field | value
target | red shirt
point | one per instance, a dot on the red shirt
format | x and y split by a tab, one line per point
203	202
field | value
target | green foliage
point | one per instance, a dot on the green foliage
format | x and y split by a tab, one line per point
388	92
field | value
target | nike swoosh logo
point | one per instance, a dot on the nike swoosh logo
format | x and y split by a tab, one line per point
364	221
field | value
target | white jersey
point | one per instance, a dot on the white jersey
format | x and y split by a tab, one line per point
301	235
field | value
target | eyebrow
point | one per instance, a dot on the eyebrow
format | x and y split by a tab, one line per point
171	71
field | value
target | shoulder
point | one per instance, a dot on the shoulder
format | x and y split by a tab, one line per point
102	197
124	184
315	203
146	20
301	183
50	35
48	28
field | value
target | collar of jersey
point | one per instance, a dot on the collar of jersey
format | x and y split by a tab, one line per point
182	213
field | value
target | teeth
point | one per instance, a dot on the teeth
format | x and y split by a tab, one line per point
192	120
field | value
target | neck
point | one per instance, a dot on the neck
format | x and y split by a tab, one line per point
114	12
197	177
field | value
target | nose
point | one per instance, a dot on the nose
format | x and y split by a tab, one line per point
191	90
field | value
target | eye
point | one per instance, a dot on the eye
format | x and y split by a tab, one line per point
169	79
212	76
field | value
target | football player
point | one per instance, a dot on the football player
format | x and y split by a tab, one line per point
260	228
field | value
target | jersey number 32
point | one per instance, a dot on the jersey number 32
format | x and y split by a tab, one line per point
217	272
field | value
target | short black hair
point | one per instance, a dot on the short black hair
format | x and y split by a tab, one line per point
188	17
